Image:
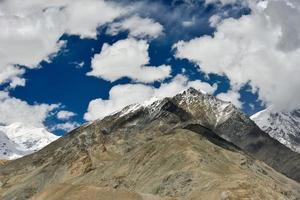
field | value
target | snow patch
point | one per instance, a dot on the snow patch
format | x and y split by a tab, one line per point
282	126
17	140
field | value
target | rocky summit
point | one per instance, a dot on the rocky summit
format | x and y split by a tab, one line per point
188	147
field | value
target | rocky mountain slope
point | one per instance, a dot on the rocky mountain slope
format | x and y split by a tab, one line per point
191	146
17	140
283	126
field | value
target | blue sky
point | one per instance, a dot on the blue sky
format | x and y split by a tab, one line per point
64	81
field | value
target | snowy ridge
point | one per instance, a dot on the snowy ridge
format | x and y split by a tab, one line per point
17	140
8	149
129	109
282	126
151	104
211	108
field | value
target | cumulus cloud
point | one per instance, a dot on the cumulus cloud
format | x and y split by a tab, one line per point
138	27
65	115
119	97
30	30
84	17
127	58
12	75
261	49
231	96
214	20
123	95
15	110
27	41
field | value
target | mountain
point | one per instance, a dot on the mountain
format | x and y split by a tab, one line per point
18	140
283	126
191	146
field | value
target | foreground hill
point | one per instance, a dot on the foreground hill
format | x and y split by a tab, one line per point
174	148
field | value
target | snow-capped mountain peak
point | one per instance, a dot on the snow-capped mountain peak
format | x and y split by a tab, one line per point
210	110
283	126
197	102
18	140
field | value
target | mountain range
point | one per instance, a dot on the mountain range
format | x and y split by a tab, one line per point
190	146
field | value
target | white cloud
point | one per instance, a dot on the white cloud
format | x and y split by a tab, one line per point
223	2
15	110
138	27
119	97
79	65
189	23
65	115
180	83
68	126
261	49
127	58
123	95
30	30
83	17
27	40
12	75
231	96
214	20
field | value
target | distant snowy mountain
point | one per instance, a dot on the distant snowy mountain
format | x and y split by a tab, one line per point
283	126
17	140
